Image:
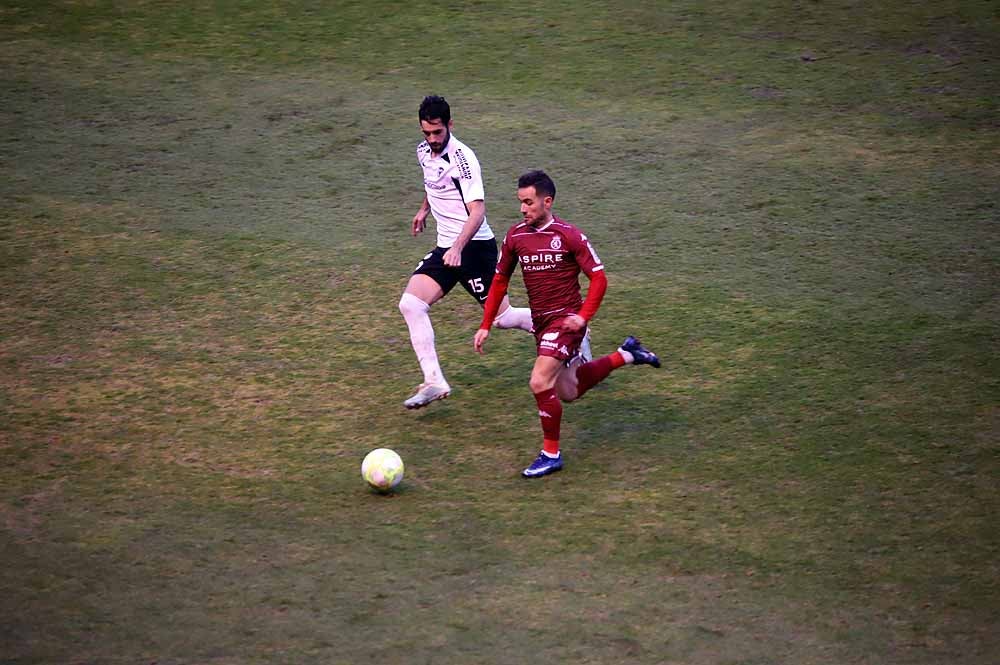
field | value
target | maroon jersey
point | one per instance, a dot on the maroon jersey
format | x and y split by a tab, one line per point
551	259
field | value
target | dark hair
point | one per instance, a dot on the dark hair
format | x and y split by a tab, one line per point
540	180
435	108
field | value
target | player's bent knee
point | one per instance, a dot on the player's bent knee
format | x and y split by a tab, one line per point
498	322
506	319
539	383
410	305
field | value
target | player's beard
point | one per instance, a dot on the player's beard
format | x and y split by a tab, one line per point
536	221
438	148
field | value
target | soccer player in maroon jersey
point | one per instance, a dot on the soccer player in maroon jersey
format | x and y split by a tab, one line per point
552	254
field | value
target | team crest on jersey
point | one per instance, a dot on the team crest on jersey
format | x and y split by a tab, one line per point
556	242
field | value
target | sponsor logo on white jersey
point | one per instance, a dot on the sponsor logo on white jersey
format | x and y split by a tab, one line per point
464	170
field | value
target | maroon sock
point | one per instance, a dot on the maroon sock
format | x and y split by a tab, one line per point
550	413
590	374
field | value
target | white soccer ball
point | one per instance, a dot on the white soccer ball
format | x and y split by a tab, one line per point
382	469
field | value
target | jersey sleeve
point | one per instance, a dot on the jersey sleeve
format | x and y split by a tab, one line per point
595	294
470	176
498	289
585	255
507	261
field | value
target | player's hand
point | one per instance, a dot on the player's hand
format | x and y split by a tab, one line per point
453	257
574	323
480	339
419	224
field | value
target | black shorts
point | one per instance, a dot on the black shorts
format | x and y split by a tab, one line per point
479	264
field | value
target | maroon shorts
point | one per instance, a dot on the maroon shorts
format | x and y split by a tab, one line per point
551	340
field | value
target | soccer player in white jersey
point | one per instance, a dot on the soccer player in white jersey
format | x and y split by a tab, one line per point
466	250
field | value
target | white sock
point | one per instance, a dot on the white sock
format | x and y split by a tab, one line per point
415	311
626	356
515	317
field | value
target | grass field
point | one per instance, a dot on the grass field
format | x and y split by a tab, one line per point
204	213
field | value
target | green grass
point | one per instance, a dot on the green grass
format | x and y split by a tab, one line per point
203	238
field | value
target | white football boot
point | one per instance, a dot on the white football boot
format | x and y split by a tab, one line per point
427	393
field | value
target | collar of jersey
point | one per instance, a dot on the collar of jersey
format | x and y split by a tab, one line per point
546	224
446	150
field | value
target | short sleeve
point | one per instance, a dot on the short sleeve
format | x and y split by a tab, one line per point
585	255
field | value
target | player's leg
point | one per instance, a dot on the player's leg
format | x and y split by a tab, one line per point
544	376
587	375
635	353
479	262
513	317
585	353
428	284
567	382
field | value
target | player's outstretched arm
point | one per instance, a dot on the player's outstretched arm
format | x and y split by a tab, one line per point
498	289
480	339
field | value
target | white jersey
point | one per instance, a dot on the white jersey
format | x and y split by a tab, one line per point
451	180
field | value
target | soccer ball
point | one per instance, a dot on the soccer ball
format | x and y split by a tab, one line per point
382	469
